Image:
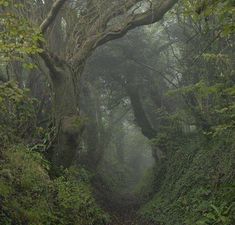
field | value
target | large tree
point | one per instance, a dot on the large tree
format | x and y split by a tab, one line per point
73	30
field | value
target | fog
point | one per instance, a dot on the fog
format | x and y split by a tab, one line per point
117	112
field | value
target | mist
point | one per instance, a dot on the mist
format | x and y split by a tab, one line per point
117	112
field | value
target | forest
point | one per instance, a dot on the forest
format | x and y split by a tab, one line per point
117	112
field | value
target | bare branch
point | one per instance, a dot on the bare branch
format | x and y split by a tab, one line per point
151	16
57	5
157	71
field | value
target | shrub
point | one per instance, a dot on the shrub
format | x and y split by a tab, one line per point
29	196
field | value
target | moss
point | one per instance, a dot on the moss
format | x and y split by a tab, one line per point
73	124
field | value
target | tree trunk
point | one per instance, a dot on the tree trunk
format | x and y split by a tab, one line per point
139	113
69	125
142	120
65	81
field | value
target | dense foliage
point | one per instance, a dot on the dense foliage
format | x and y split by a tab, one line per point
18	37
17	113
198	182
28	194
195	183
140	132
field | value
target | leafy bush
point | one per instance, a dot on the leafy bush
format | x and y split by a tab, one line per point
17	113
29	196
25	188
18	37
75	203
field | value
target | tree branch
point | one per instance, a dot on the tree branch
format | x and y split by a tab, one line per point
154	14
158	72
57	5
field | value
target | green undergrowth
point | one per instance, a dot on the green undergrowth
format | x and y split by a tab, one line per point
29	196
195	185
32	192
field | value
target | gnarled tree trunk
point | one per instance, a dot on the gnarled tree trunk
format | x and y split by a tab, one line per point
69	125
65	80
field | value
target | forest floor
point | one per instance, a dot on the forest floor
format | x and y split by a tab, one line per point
121	205
124	210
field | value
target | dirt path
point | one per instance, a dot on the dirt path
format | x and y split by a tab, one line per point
124	211
122	206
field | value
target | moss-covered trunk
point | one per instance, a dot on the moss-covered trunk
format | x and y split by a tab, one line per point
68	123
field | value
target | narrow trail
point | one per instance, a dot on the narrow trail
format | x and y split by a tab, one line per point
124	210
122	205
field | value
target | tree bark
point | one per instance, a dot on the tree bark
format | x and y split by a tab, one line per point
139	113
142	120
68	122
